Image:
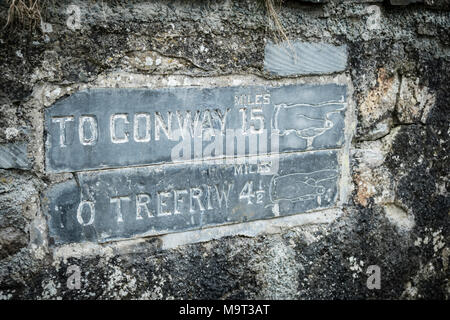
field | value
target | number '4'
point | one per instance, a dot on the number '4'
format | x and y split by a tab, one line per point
247	192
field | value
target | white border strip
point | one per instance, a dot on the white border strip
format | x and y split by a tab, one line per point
249	229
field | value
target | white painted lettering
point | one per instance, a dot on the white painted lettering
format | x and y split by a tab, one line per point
118	201
90	205
91	122
62	128
113	126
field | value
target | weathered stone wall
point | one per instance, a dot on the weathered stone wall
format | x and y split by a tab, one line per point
396	215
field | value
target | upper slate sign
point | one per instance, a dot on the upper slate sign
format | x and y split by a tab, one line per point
113	128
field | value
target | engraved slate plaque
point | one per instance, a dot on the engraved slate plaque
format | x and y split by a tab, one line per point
114	128
125	203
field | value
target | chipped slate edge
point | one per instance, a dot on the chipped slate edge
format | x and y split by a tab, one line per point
173	240
249	229
302	58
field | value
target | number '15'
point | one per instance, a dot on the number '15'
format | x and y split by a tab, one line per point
256	122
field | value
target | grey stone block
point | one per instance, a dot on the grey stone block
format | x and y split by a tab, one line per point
112	128
300	58
116	204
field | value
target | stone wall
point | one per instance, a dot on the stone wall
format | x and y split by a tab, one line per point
395	210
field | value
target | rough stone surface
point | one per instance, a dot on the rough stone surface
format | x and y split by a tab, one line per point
397	212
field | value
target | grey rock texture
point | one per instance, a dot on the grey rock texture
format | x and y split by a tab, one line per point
396	213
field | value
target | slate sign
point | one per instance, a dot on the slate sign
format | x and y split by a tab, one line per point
111	128
150	162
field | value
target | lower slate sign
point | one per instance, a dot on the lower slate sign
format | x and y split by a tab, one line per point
117	204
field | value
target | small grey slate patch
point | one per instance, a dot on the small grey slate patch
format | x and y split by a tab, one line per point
124	203
14	156
300	58
112	128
